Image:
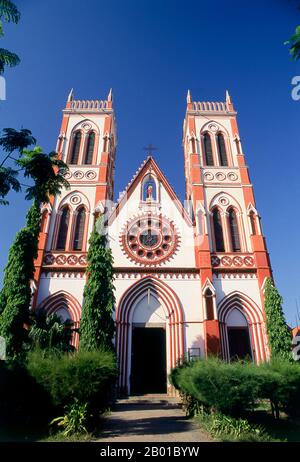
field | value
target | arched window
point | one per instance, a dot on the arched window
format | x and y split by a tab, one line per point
218	231
253	223
79	229
89	151
222	150
234	231
149	189
209	304
75	148
63	229
208	150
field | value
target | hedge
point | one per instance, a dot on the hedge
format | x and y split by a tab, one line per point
85	376
32	393
24	403
237	387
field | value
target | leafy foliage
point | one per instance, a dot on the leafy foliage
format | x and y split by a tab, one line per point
12	140
24	404
235	388
74	420
8	13
15	295
85	376
7	58
50	333
16	140
46	170
282	387
8	181
228	428
279	335
294	44
222	387
97	325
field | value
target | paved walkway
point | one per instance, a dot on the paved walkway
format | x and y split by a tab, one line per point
156	418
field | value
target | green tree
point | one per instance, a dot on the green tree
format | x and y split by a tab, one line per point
47	172
280	341
12	140
40	167
8	13
294	44
15	295
97	325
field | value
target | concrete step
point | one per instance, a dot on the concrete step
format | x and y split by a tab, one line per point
153	399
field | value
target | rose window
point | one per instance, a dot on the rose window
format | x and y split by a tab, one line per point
149	240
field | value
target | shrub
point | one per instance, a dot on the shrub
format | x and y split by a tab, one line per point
234	388
222	387
23	402
283	389
84	376
74	420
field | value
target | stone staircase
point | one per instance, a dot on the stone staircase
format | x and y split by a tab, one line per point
152	400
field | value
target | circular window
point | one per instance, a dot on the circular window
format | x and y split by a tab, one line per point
149	240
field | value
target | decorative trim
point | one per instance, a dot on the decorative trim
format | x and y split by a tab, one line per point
236	259
235	274
64	273
65	259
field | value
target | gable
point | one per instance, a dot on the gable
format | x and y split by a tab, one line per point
149	226
149	166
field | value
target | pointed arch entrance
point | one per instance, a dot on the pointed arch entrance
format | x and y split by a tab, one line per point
148	304
241	323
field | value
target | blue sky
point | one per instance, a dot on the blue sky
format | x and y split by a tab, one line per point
151	52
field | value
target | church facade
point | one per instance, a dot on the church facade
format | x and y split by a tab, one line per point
189	278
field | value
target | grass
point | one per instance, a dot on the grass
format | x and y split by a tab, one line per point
284	429
263	427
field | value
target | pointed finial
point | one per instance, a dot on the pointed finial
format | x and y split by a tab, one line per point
188	97
71	95
110	95
228	98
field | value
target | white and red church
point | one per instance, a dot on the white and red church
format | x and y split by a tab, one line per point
189	278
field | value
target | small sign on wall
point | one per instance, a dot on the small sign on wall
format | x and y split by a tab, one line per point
194	353
2	349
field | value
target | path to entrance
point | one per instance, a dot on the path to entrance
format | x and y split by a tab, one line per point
150	418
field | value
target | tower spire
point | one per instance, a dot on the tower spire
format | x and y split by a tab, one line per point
228	98
188	97
110	96
71	95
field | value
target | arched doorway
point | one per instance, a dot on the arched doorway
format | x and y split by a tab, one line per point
148	371
149	336
239	343
242	328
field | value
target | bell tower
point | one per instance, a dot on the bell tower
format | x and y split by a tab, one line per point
87	144
88	139
229	244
